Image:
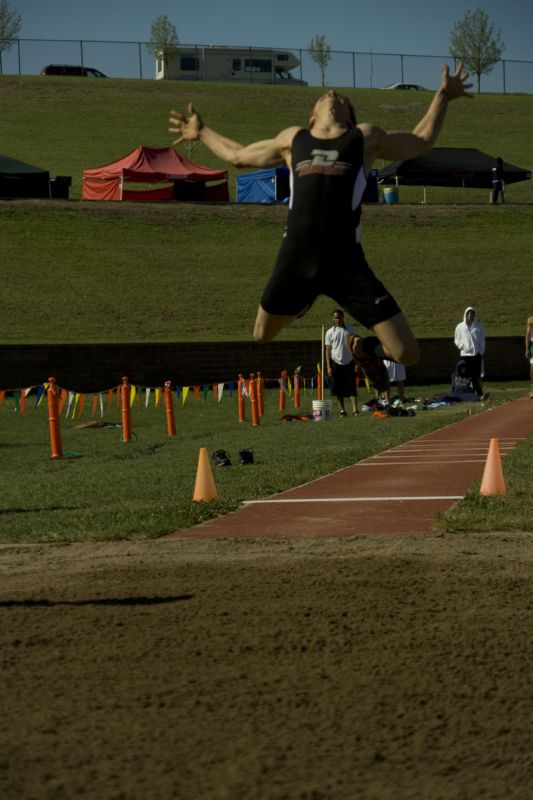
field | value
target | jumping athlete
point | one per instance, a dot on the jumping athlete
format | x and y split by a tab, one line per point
321	251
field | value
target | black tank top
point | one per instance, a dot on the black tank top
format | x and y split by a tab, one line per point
328	179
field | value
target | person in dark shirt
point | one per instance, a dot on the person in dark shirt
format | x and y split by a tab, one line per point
498	183
321	251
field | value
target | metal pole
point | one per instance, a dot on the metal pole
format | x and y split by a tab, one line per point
81	52
353	68
503	69
19	59
140	61
401	67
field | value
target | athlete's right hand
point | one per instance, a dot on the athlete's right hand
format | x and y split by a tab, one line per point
188	126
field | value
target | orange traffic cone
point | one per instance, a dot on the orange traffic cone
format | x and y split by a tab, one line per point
493	481
204	488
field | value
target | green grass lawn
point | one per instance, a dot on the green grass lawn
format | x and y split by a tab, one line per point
114	272
103	489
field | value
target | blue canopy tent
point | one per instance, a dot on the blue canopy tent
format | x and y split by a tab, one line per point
264	186
273	186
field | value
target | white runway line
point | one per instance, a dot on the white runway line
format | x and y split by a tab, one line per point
442	448
381	462
353	499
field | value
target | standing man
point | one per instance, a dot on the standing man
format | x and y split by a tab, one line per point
339	362
321	252
529	348
470	340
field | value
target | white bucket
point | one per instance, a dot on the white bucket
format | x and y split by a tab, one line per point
321	410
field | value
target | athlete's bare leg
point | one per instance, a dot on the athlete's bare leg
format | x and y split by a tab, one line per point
267	326
397	341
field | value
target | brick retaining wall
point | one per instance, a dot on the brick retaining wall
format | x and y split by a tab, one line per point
95	367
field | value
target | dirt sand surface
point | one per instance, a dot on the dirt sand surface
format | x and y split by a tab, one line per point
364	667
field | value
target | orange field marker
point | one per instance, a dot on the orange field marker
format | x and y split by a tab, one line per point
296	389
169	406
260	382
253	398
126	411
53	420
282	385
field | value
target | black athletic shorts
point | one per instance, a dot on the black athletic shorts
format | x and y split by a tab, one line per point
304	270
342	380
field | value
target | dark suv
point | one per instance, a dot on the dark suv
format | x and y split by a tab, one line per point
66	69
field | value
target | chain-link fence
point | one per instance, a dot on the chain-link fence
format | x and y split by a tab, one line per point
344	68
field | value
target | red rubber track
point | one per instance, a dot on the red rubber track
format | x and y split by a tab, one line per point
399	491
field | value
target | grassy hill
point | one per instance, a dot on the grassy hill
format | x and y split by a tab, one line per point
69	124
85	272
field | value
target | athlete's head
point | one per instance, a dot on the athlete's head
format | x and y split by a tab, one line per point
330	104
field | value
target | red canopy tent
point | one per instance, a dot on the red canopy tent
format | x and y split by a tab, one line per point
184	180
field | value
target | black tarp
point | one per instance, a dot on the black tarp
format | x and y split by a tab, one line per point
450	166
18	179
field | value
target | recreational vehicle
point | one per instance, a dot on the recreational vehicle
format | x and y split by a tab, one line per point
233	64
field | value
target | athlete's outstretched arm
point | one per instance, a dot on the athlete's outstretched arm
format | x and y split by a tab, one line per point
267	153
400	145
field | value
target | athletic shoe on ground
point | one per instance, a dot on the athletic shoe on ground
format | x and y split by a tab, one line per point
221	459
246	457
343	413
484	397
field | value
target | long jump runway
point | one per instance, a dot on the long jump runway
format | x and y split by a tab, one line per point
399	491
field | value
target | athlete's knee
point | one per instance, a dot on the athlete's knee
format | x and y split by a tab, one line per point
407	353
261	333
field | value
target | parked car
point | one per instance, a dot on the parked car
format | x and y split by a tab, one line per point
405	86
67	69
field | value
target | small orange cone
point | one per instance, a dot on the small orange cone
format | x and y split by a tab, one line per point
204	488
493	481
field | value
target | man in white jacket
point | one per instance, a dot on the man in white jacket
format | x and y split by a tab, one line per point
470	340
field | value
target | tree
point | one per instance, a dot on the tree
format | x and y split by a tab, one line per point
163	40
474	42
320	52
9	28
